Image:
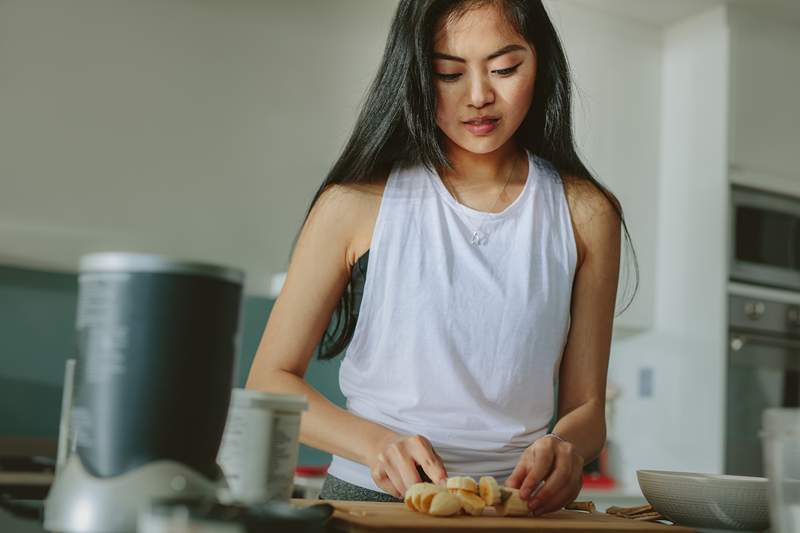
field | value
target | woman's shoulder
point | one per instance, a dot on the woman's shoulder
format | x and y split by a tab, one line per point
594	213
355	207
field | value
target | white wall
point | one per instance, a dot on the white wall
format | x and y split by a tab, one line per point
201	129
616	67
193	128
680	426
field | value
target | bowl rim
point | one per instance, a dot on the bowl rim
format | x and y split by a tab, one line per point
702	476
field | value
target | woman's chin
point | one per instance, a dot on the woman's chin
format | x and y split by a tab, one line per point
482	146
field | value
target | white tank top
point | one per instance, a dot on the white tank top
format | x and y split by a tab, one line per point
458	342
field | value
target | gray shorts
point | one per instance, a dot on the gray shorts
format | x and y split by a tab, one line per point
335	489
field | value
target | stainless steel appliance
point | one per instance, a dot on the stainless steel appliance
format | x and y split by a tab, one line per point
156	340
765	238
763	369
764	318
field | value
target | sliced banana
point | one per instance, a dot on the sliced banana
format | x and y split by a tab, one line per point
471	502
410	491
413	493
489	490
462	483
426	496
511	504
461	492
444	504
408	502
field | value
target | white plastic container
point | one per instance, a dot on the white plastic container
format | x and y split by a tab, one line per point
260	445
308	481
781	444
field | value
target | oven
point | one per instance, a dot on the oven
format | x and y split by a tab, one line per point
765	238
763	368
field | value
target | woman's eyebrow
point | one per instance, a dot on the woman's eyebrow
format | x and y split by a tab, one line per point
506	49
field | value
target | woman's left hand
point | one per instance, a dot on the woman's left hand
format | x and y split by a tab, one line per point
557	465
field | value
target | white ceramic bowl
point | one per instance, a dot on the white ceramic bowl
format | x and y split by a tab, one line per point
707	500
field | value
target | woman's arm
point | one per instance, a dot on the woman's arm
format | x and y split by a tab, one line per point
584	365
317	275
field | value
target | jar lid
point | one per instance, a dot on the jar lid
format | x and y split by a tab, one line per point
249	398
153	263
311	470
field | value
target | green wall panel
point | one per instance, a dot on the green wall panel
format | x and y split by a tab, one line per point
37	318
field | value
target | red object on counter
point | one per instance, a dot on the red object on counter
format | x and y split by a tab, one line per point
597	481
311	470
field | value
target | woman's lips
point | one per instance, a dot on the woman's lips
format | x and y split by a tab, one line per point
483	127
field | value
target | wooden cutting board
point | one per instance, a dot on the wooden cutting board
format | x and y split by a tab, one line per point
396	517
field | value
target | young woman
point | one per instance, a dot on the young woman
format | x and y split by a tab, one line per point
491	257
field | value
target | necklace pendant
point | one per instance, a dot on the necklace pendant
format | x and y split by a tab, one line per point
478	238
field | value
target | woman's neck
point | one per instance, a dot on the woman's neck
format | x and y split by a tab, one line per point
471	169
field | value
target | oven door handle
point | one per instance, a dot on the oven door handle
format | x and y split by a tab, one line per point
739	340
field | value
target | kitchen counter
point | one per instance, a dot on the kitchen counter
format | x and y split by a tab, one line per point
620	497
363	517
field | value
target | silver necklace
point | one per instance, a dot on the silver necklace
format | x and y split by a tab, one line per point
478	235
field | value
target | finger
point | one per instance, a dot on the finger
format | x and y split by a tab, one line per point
433	467
404	466
381	479
396	489
540	468
518	474
425	456
559	500
395	484
561	477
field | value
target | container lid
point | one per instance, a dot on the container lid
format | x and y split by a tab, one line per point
781	421
311	470
153	263
249	398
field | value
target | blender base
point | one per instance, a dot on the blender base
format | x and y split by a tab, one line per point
79	502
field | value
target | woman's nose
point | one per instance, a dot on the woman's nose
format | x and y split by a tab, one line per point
480	91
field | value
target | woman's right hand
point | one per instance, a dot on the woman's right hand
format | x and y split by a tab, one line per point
393	464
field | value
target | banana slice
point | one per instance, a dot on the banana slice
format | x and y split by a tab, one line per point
408	498
444	504
426	495
511	504
462	483
414	492
489	490
471	502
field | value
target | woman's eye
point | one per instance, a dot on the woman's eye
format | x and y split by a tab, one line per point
447	77
507	71
502	72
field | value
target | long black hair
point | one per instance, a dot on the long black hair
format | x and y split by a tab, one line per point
397	119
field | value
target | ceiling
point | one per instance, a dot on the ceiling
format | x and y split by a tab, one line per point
666	12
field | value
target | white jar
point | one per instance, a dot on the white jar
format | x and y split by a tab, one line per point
781	444
260	445
308	481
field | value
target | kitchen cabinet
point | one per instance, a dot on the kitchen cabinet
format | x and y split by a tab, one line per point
764	115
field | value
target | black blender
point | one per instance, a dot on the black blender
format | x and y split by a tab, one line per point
157	340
